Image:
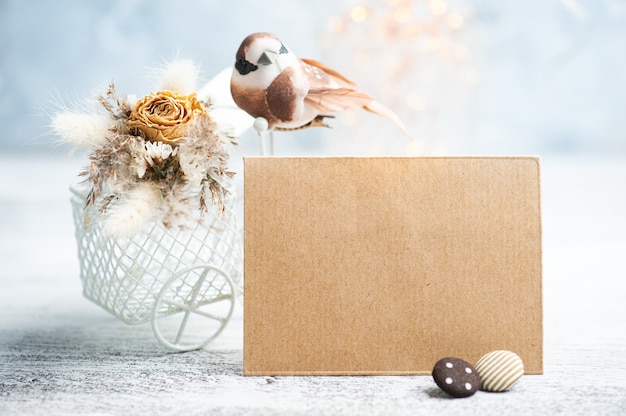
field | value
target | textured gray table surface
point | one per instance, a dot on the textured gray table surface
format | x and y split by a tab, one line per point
61	354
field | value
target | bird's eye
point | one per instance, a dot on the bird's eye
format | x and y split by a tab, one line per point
282	49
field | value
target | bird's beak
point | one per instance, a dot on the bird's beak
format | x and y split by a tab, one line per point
268	58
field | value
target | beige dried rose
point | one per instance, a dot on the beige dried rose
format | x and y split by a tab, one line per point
165	116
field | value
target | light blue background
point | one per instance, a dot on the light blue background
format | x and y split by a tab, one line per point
552	73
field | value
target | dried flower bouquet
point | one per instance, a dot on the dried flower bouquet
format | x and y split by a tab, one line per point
158	157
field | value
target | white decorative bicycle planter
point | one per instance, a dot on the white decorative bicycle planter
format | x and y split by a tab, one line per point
184	282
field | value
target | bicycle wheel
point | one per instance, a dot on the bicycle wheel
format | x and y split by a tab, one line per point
193	307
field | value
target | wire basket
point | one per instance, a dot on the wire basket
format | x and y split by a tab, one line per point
185	282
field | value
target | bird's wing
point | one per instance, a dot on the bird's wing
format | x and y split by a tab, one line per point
282	96
326	100
336	76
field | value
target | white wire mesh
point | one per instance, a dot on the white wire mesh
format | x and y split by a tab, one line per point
127	276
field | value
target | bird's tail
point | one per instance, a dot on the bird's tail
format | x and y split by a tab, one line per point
377	108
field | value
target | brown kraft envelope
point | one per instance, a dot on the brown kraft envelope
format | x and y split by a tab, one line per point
384	265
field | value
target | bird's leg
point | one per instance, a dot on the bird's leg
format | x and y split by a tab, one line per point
318	121
262	129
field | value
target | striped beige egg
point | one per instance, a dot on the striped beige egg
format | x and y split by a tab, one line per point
499	370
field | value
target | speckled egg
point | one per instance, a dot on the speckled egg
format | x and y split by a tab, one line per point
499	370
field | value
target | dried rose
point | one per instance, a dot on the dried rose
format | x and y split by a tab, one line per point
165	116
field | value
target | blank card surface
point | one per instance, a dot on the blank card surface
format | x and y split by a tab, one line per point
384	265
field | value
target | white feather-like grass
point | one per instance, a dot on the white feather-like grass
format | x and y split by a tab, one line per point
82	130
230	119
133	211
180	76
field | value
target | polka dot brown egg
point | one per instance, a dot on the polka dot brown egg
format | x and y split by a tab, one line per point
456	377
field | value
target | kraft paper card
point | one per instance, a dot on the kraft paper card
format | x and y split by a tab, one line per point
384	265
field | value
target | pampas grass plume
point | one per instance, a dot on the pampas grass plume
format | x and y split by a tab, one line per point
133	212
180	76
82	130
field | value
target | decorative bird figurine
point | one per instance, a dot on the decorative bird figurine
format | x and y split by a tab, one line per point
269	81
